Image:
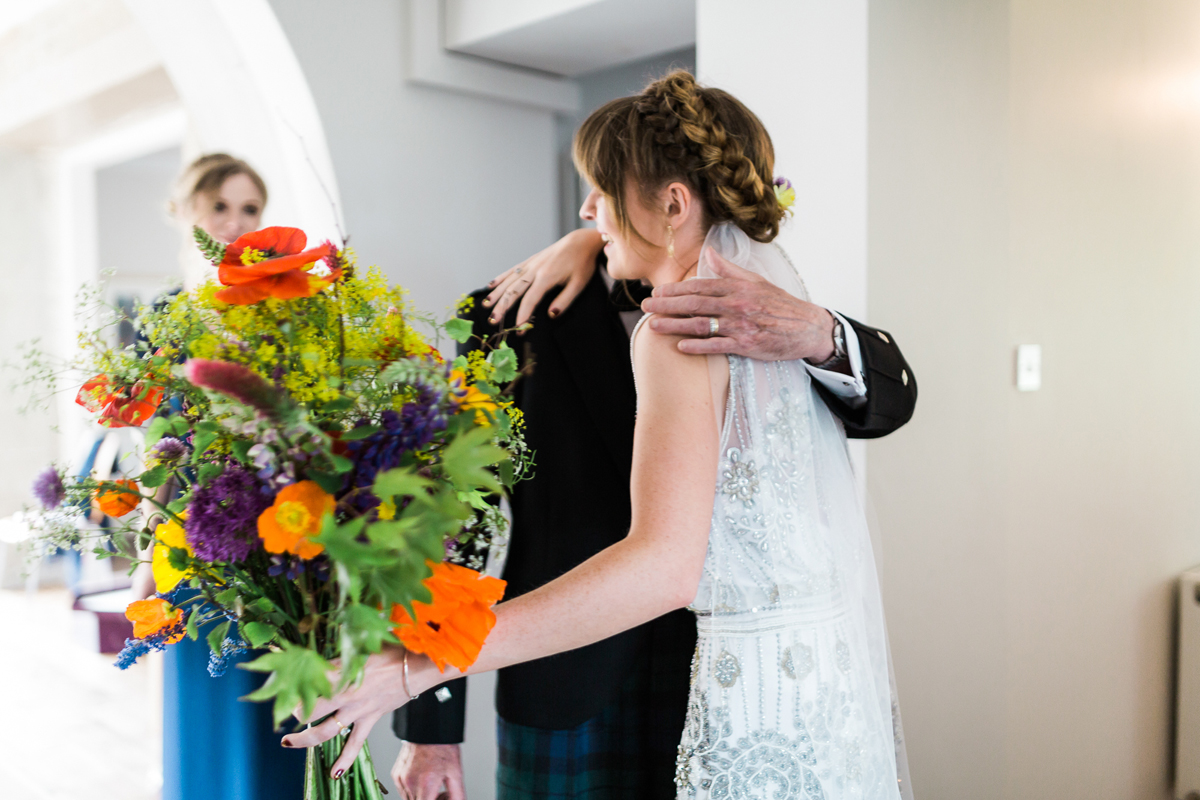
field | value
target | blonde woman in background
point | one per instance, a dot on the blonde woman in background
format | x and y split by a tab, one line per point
215	745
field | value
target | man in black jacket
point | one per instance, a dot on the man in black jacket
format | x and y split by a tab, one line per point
604	720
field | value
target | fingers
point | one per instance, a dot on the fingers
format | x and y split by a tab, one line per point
681	326
311	737
568	294
690	305
455	790
499	279
354	743
718	344
533	296
510	292
706	287
727	269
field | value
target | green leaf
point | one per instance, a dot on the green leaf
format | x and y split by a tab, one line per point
367	628
458	329
507	472
227	597
402	482
179	504
241	450
466	458
217	635
193	625
178	558
258	634
504	361
341	464
210	248
158	429
206	433
180	426
263	604
155	476
361	432
342	403
298	676
328	481
208	471
460	363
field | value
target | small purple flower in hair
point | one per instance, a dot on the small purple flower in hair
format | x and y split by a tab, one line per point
785	193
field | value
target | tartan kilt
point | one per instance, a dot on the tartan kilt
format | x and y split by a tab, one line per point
626	752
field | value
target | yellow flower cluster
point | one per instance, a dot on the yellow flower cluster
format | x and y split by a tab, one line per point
303	344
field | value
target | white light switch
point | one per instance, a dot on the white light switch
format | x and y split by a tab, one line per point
1029	367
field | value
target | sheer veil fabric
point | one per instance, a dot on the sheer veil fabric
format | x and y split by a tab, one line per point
792	694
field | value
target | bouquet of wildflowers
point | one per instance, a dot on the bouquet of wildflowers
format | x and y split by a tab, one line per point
320	480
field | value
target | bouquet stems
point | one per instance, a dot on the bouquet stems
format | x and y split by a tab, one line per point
358	783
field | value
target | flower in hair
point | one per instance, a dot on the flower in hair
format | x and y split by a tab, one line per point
785	193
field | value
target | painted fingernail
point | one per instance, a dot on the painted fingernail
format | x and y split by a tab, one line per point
286	743
553	313
337	773
493	320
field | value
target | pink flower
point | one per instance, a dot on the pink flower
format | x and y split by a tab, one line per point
235	381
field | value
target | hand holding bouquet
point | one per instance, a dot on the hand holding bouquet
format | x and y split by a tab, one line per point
323	482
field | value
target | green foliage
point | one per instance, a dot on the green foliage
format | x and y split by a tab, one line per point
504	361
298	676
458	329
212	250
258	634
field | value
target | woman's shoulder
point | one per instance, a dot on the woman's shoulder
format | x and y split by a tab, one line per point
659	363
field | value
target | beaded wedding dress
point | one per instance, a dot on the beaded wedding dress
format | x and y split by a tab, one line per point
791	695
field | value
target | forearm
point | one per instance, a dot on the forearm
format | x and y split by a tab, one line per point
621	587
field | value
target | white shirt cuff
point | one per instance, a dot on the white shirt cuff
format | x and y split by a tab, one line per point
852	388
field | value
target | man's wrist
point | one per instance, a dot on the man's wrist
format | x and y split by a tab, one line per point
831	352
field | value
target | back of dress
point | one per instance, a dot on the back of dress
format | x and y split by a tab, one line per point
791	695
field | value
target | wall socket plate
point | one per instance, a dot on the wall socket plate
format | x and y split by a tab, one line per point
1029	367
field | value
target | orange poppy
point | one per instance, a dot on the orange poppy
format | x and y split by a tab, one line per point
119	501
153	616
297	514
119	406
451	629
272	263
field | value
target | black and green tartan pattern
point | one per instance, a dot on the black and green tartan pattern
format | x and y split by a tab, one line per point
620	754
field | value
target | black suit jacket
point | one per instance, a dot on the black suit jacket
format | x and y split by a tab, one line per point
579	404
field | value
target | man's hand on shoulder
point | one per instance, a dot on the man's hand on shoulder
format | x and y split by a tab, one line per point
429	772
755	318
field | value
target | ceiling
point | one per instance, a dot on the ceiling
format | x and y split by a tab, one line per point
568	37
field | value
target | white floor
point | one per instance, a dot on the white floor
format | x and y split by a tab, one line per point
74	726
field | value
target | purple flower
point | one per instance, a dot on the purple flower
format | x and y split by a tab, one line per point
409	429
222	523
784	182
218	663
48	488
168	450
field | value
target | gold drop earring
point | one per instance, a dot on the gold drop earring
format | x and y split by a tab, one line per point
671	242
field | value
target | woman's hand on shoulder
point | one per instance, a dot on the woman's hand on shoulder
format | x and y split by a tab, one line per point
570	262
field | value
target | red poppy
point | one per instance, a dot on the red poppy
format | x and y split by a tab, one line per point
119	406
278	268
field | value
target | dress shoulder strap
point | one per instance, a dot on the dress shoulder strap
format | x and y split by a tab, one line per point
632	339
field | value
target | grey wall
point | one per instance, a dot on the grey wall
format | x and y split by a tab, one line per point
442	190
1033	180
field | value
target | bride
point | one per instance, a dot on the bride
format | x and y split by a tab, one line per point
745	507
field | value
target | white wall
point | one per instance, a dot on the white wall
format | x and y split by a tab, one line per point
29	445
1035	178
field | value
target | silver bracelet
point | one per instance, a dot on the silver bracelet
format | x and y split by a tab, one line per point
404	679
839	347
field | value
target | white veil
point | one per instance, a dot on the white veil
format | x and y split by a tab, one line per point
819	485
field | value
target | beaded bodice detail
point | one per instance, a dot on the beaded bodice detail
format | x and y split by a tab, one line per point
791	694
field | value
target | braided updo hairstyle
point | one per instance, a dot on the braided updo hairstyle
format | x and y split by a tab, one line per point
678	130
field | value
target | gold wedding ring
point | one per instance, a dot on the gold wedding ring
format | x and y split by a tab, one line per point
714	327
342	729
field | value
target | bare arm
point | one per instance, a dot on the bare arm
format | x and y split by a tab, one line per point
655	569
